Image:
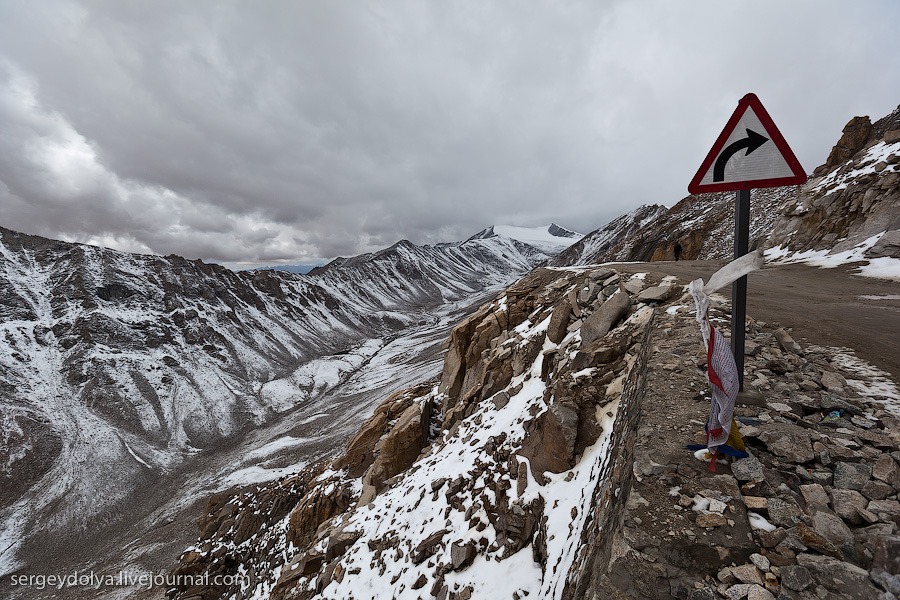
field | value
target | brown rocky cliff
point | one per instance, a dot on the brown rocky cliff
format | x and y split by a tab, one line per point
851	200
854	138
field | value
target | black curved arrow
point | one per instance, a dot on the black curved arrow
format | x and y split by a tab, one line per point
751	143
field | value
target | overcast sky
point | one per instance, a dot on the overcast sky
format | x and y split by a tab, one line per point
290	132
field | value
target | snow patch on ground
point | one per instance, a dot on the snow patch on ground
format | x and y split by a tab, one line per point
537	236
872	382
251	475
881	268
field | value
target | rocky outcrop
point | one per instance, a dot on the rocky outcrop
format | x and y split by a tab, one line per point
853	139
398	449
599	245
854	198
697	227
361	451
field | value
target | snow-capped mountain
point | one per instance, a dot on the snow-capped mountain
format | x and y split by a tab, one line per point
549	238
119	369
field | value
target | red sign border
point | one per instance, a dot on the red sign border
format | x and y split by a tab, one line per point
748	101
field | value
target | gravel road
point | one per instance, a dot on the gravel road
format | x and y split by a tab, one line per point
830	307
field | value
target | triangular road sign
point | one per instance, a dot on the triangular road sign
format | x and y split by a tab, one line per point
749	153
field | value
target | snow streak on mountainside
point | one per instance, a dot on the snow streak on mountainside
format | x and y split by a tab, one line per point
594	247
115	368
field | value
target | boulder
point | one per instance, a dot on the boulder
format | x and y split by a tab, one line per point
786	342
814	493
748	574
887	553
659	293
427	547
566	414
545	446
890	508
851	476
830	402
710	520
757	592
559	321
832	528
833	382
847	504
338	543
877	490
886	469
842	578
747	469
788	441
796	577
783	513
462	555
604	318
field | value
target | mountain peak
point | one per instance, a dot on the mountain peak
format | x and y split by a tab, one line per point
548	238
558	231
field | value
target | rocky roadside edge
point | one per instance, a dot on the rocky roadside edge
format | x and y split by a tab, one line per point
826	487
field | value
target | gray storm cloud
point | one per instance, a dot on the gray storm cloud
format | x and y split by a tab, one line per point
253	133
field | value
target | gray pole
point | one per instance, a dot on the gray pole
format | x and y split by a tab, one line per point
739	287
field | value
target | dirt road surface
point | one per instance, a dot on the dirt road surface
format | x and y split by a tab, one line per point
829	307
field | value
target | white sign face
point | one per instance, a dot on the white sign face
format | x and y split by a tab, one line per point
749	153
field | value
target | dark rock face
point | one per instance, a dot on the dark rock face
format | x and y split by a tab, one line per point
34	443
855	135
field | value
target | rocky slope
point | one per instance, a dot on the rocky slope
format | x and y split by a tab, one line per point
853	199
549	462
117	368
509	464
812	512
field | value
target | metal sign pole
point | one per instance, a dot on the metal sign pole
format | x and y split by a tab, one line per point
739	287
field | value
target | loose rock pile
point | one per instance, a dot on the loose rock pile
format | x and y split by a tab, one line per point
813	512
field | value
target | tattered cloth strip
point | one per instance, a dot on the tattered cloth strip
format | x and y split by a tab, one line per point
733	446
721	367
